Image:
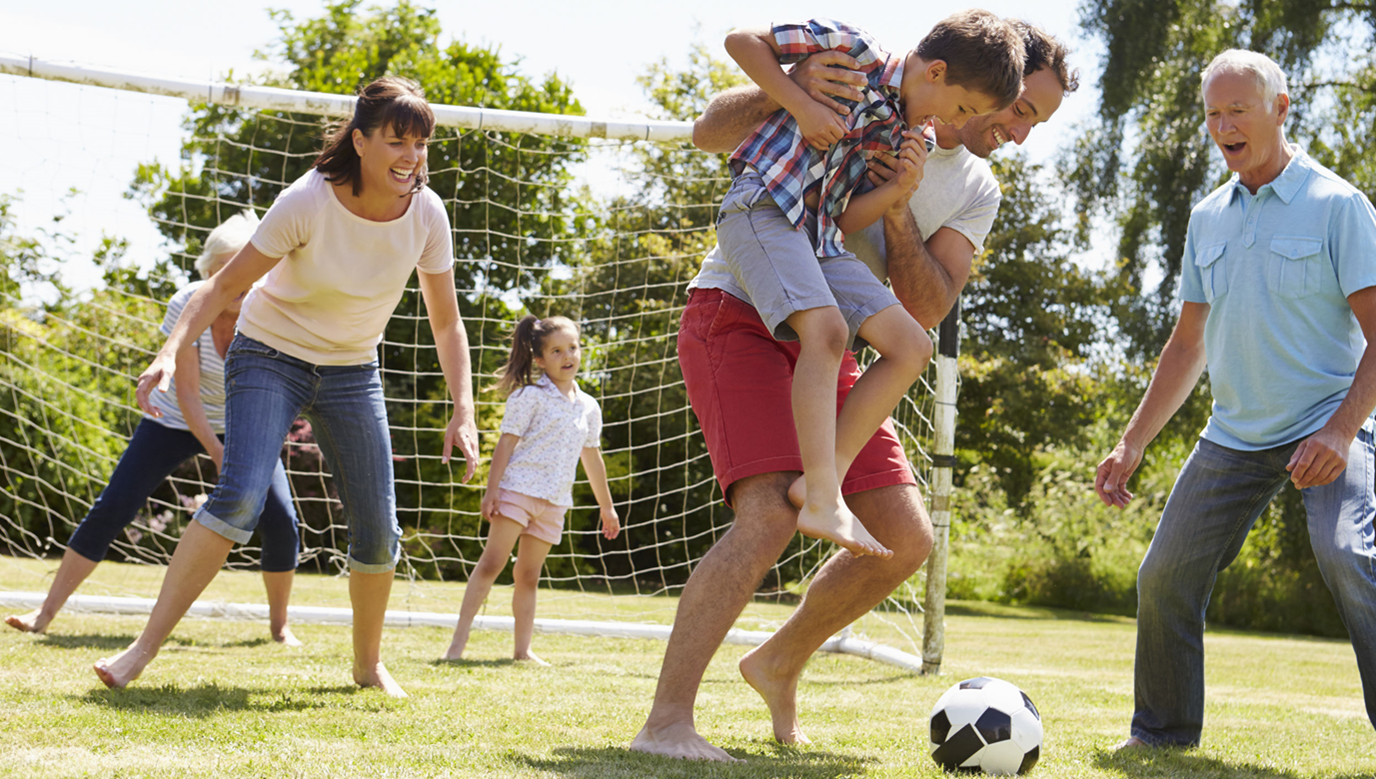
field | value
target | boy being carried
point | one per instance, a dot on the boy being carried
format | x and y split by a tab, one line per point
794	196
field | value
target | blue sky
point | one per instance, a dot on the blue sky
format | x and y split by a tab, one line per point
63	136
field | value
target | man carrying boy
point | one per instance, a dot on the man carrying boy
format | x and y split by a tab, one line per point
794	196
751	439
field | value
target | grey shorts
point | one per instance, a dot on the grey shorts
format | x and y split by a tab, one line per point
777	266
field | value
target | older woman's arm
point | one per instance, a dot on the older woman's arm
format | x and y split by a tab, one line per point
188	377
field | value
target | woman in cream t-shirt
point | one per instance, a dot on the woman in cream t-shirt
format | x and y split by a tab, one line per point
337	247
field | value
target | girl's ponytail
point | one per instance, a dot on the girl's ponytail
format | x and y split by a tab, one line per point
516	373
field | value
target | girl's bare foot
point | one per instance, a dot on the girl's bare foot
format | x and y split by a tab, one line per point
33	622
455	651
285	637
530	657
377	676
121	669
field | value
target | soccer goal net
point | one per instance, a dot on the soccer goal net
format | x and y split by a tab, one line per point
603	222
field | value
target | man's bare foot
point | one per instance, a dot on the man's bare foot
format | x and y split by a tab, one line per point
285	637
679	741
1132	744
33	622
121	669
835	523
530	657
780	693
377	676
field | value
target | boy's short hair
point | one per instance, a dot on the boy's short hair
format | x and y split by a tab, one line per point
982	52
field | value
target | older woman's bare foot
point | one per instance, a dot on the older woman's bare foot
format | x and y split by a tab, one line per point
530	657
285	637
33	622
377	676
780	693
121	669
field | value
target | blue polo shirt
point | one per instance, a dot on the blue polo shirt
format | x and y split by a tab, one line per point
1276	269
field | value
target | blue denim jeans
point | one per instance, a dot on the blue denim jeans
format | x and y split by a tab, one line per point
265	391
1217	497
153	454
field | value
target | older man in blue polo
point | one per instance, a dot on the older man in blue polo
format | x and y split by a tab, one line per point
1278	300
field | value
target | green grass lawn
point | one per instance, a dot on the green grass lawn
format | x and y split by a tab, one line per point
222	700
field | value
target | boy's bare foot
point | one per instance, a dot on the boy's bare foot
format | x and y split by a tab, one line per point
835	523
121	669
377	676
678	740
530	657
797	492
33	622
285	637
779	692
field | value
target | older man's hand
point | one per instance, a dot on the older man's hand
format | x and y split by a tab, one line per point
1320	458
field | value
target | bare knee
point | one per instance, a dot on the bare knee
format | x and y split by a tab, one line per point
762	509
526	576
896	517
821	329
489	567
913	351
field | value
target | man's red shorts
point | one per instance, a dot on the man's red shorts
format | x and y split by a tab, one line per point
740	383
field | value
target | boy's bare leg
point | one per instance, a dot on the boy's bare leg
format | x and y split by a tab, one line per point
721	585
904	349
278	585
71	572
845	590
529	559
198	558
501	538
823	514
368	594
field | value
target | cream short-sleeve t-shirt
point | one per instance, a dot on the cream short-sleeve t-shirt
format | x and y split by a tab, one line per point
341	276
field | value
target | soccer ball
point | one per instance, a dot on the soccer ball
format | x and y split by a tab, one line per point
986	725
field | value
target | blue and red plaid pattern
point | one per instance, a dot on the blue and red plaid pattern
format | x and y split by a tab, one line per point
790	168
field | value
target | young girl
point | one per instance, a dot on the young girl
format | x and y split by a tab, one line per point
550	424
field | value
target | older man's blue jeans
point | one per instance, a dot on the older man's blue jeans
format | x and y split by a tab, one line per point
1217	497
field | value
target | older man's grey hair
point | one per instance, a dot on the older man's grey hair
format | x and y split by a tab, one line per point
226	240
1268	74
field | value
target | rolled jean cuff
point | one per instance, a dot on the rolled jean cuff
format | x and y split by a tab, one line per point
355	565
220	527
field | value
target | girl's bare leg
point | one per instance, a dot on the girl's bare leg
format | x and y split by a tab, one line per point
198	558
501	538
529	560
71	572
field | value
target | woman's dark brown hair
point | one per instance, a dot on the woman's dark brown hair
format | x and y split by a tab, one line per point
527	343
390	101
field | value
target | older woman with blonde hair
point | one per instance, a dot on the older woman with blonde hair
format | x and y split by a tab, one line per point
186	421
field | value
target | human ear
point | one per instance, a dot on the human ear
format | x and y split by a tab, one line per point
358	138
1282	108
936	71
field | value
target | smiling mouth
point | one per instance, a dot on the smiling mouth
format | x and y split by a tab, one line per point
402	175
999	138
1234	148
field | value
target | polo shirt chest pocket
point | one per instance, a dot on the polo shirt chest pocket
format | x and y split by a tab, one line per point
1213	274
1295	266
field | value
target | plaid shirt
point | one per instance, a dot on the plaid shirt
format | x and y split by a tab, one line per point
790	168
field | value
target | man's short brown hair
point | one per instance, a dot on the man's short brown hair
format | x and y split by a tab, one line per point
1045	51
982	52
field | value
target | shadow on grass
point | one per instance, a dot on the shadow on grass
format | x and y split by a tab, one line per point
1183	762
781	761
206	700
466	663
84	641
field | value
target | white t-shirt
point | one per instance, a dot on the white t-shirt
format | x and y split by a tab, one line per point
554	431
958	191
341	276
212	373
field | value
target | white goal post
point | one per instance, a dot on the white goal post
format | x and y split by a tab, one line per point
657	461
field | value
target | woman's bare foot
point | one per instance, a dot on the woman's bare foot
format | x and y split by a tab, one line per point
530	657
377	676
285	637
33	622
678	740
833	522
121	669
455	651
780	693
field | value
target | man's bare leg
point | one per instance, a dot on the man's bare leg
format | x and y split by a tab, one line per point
71	572
278	585
198	558
720	587
846	588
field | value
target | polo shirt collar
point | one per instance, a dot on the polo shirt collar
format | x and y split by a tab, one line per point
1288	183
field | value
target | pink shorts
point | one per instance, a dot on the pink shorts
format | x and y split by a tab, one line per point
740	383
540	518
